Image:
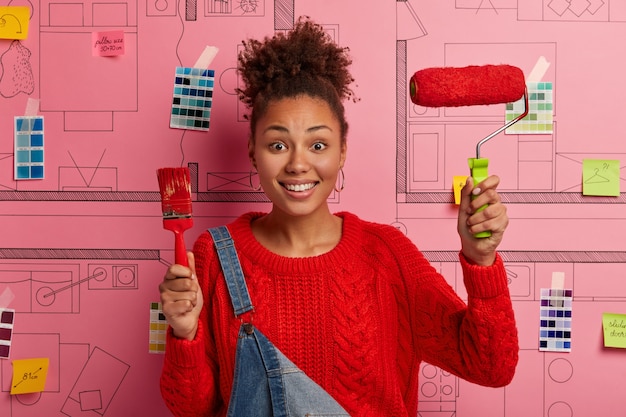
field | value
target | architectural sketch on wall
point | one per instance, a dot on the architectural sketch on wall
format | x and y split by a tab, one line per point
17	76
113	81
96	385
83	249
98	379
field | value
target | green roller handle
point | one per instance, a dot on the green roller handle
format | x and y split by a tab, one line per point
478	169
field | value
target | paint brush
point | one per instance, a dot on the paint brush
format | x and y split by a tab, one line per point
175	187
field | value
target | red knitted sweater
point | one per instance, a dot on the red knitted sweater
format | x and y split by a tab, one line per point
358	320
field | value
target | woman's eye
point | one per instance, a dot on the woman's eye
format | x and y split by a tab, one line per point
318	146
277	146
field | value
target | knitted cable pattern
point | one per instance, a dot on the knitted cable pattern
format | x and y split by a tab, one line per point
359	320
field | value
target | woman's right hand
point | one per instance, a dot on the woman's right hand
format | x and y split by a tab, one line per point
181	299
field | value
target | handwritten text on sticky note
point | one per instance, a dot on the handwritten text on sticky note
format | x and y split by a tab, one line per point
29	375
601	177
14	22
110	43
614	326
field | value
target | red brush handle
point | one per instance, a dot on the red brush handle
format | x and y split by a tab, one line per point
178	226
180	252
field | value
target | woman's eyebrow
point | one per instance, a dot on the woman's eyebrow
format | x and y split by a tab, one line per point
311	129
318	127
277	128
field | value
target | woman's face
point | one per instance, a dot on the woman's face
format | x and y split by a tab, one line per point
298	152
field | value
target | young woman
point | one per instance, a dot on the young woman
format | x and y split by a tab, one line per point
351	303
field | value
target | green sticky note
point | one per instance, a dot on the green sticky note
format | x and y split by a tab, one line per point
601	177
614	326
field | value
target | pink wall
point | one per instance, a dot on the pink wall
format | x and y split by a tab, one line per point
91	230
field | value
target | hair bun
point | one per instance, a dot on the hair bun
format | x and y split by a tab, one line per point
305	52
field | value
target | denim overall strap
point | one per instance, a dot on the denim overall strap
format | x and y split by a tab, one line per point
261	362
232	270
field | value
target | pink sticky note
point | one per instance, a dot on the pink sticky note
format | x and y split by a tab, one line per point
110	43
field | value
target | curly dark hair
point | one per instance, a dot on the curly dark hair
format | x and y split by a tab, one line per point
303	61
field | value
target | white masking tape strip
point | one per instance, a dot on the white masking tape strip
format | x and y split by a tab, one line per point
558	283
205	59
539	70
32	107
6	297
558	280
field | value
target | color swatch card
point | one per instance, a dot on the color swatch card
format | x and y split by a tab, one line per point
193	98
29	155
540	116
7	318
555	330
158	329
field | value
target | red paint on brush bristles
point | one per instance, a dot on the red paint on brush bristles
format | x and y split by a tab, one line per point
175	188
467	86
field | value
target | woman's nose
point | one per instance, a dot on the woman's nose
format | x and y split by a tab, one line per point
298	161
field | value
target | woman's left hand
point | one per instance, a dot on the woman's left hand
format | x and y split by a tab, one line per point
481	251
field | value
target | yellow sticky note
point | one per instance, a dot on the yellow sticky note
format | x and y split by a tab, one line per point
29	375
14	22
601	177
458	182
614	326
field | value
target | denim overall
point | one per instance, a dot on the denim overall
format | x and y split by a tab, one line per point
266	382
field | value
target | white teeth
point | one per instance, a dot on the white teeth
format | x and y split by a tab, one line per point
299	187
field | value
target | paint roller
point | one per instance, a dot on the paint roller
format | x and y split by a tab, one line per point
470	86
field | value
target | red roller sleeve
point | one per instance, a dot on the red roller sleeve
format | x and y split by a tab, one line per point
467	86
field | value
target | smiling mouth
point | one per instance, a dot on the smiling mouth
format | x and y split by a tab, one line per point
299	187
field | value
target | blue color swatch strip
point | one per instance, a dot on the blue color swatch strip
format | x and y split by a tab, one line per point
555	322
192	99
29	148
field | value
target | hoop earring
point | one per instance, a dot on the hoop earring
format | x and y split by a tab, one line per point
257	188
343	181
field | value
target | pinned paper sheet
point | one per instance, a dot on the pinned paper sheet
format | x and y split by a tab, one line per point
555	322
601	177
614	326
7	318
193	98
29	375
109	43
458	182
193	93
29	148
539	120
158	329
14	22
